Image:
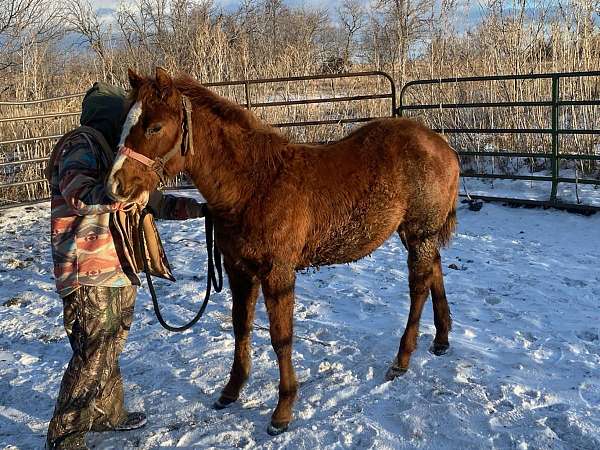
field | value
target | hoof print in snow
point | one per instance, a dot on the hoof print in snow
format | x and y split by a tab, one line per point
492	300
277	430
439	349
587	335
223	403
395	371
16	301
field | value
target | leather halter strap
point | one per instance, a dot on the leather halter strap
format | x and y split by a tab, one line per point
185	144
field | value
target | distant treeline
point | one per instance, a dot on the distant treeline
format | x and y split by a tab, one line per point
49	47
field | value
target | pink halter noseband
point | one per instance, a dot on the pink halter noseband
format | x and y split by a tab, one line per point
137	156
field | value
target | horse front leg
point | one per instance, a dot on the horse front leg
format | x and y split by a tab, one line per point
244	292
278	290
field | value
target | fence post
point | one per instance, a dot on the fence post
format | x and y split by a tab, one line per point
247	92
393	92
555	142
400	108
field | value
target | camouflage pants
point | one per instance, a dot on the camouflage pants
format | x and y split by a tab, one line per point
97	320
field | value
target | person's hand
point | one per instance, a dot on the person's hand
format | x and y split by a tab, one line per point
139	203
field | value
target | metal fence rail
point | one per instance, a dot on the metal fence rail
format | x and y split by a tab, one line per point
28	184
554	103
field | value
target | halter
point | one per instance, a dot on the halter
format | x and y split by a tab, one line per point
185	145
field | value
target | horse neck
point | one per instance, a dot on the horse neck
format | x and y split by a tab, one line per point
223	168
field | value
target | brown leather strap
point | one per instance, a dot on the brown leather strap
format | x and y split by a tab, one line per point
188	143
184	145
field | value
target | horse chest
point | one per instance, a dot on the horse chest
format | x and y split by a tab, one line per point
244	254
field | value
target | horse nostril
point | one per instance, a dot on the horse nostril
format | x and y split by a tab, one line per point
116	188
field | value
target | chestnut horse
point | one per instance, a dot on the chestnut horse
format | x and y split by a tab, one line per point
279	207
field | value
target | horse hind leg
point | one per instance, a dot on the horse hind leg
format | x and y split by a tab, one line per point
421	258
441	310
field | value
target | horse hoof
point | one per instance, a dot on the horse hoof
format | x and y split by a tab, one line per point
439	349
275	430
223	403
395	371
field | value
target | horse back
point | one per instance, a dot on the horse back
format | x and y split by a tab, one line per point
358	191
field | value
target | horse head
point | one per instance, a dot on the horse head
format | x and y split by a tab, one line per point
155	138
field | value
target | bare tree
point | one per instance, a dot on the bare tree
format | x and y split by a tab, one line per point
405	23
25	23
352	19
80	18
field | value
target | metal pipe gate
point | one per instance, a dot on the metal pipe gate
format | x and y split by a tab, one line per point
554	103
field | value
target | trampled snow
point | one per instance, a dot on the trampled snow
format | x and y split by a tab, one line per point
523	370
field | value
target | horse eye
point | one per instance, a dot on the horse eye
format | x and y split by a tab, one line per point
154	129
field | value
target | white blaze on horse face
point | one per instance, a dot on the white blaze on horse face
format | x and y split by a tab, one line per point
132	119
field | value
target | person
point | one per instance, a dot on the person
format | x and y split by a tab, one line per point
93	271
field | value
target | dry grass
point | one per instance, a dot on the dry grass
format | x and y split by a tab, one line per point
265	39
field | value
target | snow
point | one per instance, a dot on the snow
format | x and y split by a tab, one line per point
568	193
523	371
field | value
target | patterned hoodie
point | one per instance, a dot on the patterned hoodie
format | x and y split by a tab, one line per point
83	248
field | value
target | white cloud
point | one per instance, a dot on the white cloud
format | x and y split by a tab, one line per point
99	4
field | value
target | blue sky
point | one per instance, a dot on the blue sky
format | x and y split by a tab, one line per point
470	10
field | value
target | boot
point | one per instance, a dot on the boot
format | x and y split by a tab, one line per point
132	421
129	421
74	441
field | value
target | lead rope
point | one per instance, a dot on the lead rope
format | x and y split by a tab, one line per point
214	261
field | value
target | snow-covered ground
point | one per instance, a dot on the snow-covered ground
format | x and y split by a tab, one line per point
523	371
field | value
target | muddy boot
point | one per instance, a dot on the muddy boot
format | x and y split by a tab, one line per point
74	441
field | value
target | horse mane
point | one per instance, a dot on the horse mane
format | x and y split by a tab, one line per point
262	142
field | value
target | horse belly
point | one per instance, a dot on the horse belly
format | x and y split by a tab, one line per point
350	244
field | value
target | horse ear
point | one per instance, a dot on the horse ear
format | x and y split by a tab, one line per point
163	79
134	79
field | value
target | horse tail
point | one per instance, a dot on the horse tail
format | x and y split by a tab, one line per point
446	232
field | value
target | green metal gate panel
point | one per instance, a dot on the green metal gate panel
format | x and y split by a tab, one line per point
554	103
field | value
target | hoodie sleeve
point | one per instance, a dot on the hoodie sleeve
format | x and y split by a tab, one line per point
81	179
172	207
